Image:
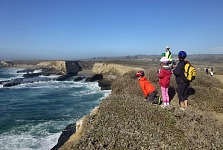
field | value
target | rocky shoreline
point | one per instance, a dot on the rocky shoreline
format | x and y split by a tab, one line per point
104	74
107	71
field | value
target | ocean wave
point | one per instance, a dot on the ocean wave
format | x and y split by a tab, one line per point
38	71
35	137
26	141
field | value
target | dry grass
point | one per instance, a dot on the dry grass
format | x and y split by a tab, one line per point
125	121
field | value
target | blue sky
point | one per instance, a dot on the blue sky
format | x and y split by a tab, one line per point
73	29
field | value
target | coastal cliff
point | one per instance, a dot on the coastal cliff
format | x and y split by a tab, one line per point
125	121
115	69
53	66
63	67
109	72
58	66
65	70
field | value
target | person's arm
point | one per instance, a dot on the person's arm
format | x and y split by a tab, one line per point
161	74
144	90
178	70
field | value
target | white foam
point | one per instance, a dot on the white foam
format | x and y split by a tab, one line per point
51	76
38	137
59	84
25	141
38	71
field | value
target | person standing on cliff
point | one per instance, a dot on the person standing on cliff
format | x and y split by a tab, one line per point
182	84
164	75
168	55
148	89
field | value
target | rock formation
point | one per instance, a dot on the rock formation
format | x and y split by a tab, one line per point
57	66
104	68
66	69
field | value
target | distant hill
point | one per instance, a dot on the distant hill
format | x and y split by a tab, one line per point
194	57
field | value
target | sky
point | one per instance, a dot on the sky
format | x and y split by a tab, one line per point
78	29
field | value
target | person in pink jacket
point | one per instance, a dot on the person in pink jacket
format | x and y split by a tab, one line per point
164	75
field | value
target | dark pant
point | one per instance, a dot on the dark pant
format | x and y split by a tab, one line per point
153	98
182	91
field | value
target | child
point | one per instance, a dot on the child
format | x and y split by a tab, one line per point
148	89
164	75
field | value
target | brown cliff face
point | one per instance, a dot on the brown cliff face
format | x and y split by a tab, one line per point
104	68
57	66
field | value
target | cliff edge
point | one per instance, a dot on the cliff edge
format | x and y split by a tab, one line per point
125	121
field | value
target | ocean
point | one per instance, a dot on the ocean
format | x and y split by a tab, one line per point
33	115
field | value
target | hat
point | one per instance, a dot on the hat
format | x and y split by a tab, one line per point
164	60
182	54
140	74
167	47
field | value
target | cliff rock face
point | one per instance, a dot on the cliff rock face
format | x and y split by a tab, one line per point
63	67
104	68
59	66
72	67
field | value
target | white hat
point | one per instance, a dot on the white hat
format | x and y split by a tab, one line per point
164	60
167	47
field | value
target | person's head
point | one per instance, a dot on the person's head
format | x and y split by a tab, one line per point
163	54
167	48
164	61
182	55
140	74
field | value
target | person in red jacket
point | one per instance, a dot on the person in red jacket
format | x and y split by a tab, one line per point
148	89
164	75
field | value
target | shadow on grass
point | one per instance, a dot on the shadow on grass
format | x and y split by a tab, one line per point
171	92
190	91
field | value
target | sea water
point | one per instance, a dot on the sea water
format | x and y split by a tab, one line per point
33	115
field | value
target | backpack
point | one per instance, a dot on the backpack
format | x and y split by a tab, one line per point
189	72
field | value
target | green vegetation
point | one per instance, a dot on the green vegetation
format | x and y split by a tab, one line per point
125	121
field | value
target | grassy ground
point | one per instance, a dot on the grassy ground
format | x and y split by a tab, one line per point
125	121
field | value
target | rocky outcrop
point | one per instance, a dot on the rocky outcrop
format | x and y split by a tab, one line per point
64	137
66	69
61	67
105	68
72	67
79	129
94	78
57	66
105	84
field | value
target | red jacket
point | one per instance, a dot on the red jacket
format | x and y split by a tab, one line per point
164	76
146	86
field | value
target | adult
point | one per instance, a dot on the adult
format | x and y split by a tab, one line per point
168	55
183	85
